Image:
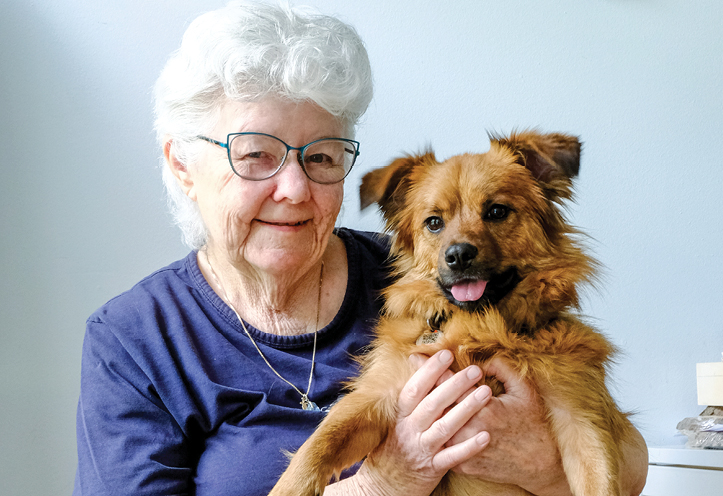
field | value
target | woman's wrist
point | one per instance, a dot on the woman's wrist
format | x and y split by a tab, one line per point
363	483
368	481
351	486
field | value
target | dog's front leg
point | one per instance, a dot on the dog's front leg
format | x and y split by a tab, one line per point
356	425
590	433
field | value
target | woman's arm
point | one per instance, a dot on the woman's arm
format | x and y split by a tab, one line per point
128	443
635	464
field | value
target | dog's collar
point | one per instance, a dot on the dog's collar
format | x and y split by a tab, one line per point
433	333
435	323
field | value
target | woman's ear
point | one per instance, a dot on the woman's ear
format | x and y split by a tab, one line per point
178	169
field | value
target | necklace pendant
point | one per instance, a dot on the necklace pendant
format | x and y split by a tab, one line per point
307	404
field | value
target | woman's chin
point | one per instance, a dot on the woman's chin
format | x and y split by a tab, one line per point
283	258
284	264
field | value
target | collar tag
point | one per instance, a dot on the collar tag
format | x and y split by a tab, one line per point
430	337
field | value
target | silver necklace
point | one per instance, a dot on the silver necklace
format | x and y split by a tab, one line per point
306	403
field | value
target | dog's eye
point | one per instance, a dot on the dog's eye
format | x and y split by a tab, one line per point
497	212
434	224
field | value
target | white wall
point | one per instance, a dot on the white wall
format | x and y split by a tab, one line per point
83	217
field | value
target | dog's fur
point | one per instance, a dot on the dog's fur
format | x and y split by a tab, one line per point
492	217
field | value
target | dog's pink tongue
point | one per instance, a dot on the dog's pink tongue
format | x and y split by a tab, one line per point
469	290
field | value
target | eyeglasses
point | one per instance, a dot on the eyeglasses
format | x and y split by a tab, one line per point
259	156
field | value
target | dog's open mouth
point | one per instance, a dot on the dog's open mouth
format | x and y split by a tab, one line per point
476	293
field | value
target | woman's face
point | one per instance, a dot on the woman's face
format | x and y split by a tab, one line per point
279	224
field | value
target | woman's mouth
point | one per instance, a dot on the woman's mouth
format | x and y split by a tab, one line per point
283	224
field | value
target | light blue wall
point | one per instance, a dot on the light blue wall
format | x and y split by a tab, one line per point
83	218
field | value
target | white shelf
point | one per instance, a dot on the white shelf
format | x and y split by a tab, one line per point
688	457
681	471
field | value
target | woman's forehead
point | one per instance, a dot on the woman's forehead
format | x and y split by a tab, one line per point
278	116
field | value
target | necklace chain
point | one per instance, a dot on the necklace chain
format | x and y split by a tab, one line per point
306	403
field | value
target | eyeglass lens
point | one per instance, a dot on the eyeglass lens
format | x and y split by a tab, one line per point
256	157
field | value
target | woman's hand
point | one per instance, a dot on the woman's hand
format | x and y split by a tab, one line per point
433	406
522	450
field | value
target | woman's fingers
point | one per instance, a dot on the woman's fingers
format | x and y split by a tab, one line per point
445	395
433	406
447	426
456	454
423	380
418	360
431	392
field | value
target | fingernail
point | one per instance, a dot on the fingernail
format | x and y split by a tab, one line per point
483	438
474	372
445	356
482	393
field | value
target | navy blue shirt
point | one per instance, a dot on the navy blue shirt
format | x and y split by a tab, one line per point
176	400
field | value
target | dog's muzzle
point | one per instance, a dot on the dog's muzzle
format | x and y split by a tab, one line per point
466	283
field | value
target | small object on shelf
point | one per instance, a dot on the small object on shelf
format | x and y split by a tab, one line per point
706	430
703	431
710	383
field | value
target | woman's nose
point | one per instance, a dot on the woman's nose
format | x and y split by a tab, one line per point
291	181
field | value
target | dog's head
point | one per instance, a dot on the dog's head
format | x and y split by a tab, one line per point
480	225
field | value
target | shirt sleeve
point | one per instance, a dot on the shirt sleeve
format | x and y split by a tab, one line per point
128	442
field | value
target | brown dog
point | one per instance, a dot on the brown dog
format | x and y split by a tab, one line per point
486	266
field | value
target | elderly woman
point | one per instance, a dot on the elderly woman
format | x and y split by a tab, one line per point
200	377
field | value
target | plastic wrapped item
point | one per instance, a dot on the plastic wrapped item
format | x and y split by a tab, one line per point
715	411
705	431
708	440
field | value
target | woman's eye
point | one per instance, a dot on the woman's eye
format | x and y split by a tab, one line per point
255	156
319	159
497	212
434	224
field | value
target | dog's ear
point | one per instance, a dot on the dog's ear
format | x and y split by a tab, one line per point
547	156
380	185
388	186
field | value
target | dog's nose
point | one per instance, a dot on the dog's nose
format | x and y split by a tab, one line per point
460	256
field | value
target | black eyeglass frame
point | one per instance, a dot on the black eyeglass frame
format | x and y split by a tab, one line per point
300	149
